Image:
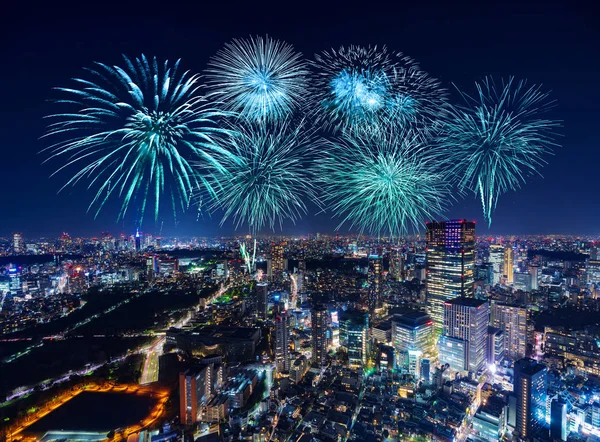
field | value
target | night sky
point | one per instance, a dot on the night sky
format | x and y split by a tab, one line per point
556	45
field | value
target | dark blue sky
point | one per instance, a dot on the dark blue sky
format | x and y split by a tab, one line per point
553	44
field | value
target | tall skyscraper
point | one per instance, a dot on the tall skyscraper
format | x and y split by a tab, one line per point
17	243
282	341
466	319
277	261
496	259
319	339
509	259
138	241
412	338
558	420
194	385
450	264
529	387
262	299
354	327
512	320
374	277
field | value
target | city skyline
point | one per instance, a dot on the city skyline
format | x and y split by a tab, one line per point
549	205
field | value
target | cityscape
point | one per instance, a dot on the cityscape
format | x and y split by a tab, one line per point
299	223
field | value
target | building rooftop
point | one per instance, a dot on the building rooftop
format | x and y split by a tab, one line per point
468	302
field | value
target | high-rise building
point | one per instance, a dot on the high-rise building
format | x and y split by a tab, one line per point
138	241
467	319
509	259
412	338
282	341
277	261
354	326
535	273
512	319
450	264
17	243
262	299
319	339
529	387
194	385
495	346
375	283
496	259
558	420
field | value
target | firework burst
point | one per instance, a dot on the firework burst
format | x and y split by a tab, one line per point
497	139
268	177
382	183
132	132
365	88
259	78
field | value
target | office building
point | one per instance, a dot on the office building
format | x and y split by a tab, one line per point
375	282
512	320
262	299
138	241
450	264
558	420
495	346
496	259
282	341
453	351
412	338
319	337
354	326
277	261
194	386
17	243
509	259
467	319
529	388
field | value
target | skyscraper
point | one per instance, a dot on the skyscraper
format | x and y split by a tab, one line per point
412	337
277	262
17	243
466	319
262	299
354	326
282	341
450	264
138	241
496	259
509	259
512	319
374	276
558	420
319	338
194	385
529	387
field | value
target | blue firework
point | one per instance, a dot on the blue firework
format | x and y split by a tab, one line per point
132	131
259	78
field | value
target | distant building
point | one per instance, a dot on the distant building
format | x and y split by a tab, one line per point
529	388
496	259
262	299
17	243
319	339
450	264
375	281
495	346
509	259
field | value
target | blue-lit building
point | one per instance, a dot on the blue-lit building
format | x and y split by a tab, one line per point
529	387
354	326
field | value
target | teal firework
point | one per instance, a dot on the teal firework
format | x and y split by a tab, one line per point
383	183
496	140
131	132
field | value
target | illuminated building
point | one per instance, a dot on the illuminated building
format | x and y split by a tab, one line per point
512	320
592	272
17	243
450	264
522	281
262	299
495	346
282	338
168	266
467	319
374	277
558	420
580	347
299	368
509	259
496	259
412	337
194	385
277	261
529	388
453	351
397	264
354	328
535	272
319	339
138	241
152	267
